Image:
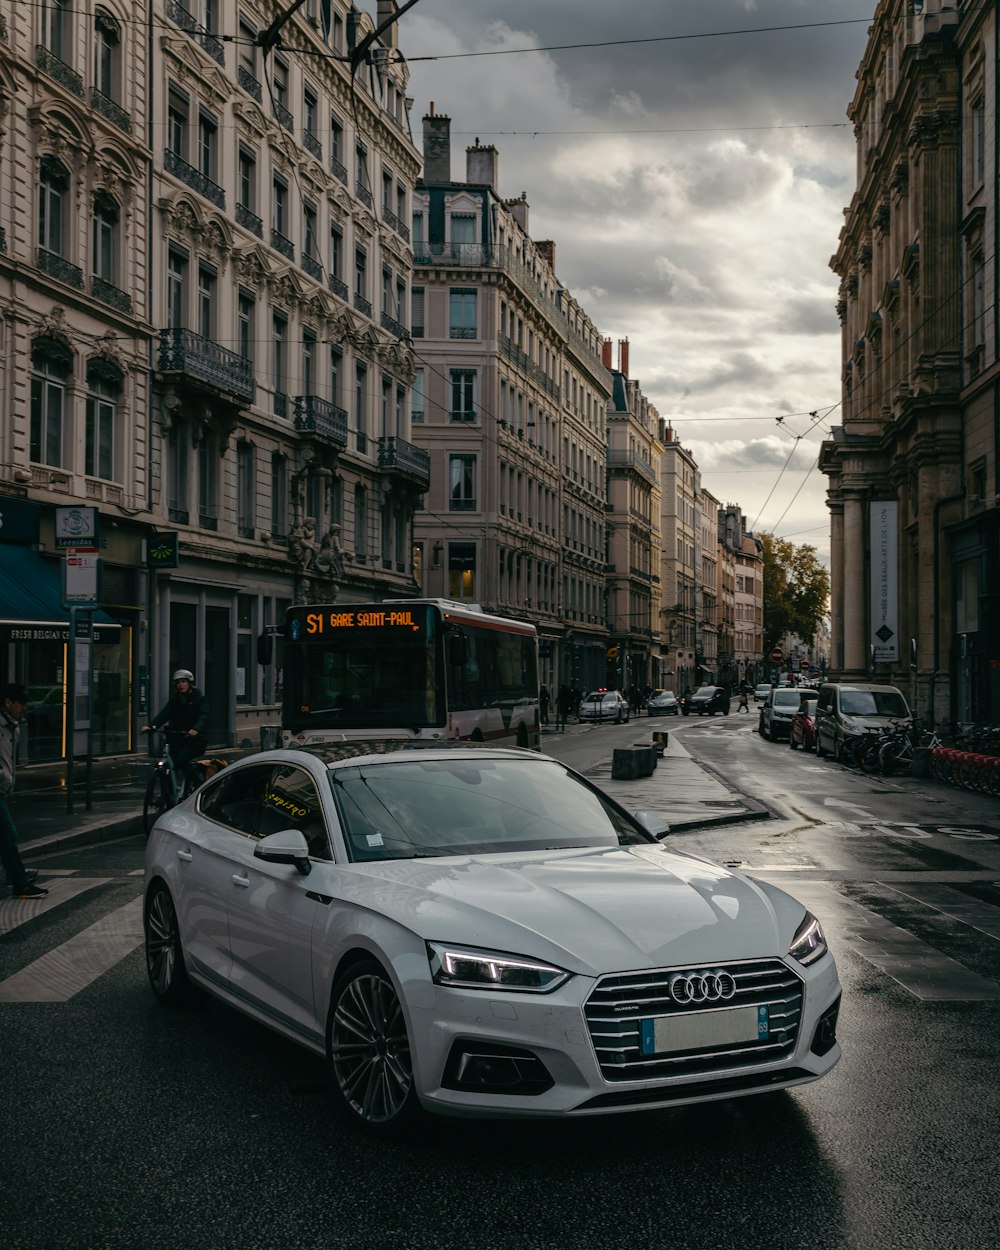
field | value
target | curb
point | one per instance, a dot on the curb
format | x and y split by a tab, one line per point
86	835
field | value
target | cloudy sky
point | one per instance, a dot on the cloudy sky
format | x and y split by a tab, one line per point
695	189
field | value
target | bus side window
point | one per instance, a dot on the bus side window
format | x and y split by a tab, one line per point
458	649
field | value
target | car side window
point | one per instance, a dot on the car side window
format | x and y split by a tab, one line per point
291	801
235	799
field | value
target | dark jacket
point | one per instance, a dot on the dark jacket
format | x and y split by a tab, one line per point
183	712
9	731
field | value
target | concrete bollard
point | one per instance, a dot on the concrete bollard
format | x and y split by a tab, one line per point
647	757
625	764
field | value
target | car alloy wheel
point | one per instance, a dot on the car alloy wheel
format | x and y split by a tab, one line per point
370	1050
164	956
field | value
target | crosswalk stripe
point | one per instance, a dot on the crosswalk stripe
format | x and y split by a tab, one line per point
956	905
15	912
920	969
59	974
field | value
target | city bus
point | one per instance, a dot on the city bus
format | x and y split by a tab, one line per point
422	669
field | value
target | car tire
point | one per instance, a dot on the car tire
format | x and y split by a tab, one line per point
164	955
772	733
820	750
369	1050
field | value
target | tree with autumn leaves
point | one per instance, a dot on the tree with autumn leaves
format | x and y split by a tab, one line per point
796	590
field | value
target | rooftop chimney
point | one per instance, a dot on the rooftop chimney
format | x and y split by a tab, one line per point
519	210
606	353
437	146
546	248
623	356
482	165
387	9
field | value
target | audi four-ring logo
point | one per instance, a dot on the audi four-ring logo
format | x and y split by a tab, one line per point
702	987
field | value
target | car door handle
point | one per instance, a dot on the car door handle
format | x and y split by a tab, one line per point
186	856
239	880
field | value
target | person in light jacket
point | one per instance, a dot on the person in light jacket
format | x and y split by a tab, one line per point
13	705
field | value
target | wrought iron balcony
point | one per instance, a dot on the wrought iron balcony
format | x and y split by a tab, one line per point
59	268
283	116
322	419
249	221
3	239
361	304
364	195
312	267
111	110
312	144
59	70
389	217
207	366
249	84
618	459
282	245
194	178
110	295
403	459
338	170
186	21
462	332
395	328
337	285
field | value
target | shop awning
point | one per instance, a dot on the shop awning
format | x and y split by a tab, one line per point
31	607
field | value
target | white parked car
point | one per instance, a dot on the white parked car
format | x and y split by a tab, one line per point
761	692
603	705
481	932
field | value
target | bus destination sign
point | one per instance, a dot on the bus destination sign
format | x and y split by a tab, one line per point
329	622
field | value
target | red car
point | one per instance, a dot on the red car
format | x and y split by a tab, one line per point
803	730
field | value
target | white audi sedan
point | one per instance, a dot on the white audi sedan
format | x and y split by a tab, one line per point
481	932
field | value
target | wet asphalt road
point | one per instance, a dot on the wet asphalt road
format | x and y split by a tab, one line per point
128	1125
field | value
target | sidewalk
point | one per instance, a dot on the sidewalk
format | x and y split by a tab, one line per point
688	794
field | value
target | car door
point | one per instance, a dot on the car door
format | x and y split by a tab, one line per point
205	860
272	907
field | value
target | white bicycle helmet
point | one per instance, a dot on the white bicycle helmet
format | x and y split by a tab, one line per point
183	674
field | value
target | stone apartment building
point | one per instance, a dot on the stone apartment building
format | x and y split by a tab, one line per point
745	552
680	520
914	476
510	405
217	331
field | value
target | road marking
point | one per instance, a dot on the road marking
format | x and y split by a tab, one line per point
59	974
956	905
852	807
15	911
924	972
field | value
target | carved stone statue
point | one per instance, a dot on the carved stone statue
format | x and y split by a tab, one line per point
302	545
330	557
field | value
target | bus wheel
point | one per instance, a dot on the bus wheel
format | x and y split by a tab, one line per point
476	736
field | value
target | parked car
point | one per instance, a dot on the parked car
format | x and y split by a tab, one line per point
803	728
475	931
601	705
662	703
778	708
761	692
845	710
707	700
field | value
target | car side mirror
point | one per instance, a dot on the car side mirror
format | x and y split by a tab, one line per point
289	846
654	823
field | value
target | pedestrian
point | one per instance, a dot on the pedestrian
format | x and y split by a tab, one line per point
564	702
13	705
743	705
185	716
543	704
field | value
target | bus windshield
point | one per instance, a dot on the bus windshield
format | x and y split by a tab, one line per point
365	672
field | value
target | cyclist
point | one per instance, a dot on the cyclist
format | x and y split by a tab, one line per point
185	718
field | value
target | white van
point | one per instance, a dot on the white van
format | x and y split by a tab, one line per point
843	710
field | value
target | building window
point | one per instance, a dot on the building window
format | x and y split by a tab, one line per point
245	310
462	313
206	301
100	448
280	83
462	483
279	207
361	173
208	134
463	228
463	394
105	240
309	230
978	142
336	141
247	668
279	361
360	272
310	109
417	312
177	123
417	221
208	482
308	362
361	406
107	44
53	198
279	495
247	181
336	252
246	502
48	413
360	522
55	27
336	375
177	270
462	570
417	398
178	444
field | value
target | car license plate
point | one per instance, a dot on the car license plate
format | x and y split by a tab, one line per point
704	1028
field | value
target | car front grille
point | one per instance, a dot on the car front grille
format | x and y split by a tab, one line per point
619	1002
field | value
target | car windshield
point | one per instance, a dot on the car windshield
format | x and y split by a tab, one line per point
416	808
787	698
707	691
873	703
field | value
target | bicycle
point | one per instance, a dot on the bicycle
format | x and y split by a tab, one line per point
166	787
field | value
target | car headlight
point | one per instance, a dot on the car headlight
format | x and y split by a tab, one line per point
809	944
467	968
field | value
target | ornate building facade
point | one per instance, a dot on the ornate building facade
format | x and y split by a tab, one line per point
914	477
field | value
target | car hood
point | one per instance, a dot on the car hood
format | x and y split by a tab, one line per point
590	911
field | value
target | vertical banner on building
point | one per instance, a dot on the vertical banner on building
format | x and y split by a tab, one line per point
884	545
